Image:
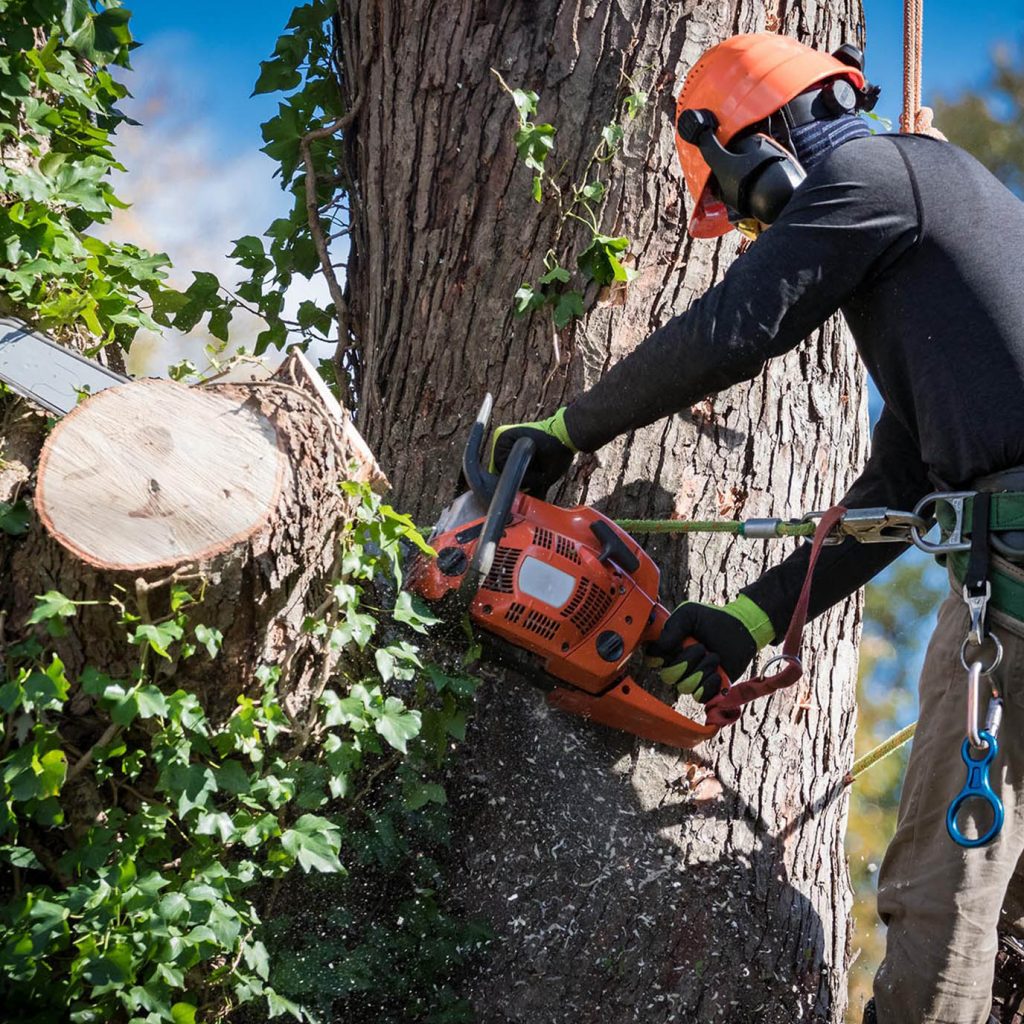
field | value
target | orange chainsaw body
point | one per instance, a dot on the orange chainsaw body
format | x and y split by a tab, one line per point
576	591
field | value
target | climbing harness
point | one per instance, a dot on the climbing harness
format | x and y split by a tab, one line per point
980	746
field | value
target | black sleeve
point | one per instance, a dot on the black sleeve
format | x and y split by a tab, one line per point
895	477
852	210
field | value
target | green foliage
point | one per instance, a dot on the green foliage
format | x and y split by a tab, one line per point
601	260
989	122
58	106
161	899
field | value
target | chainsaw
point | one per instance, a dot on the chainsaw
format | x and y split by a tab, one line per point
566	586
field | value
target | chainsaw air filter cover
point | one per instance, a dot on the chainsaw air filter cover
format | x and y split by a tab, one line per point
566	584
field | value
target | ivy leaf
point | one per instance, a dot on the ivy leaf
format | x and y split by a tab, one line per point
398	724
536	190
527	299
600	260
53	768
419	794
570	305
413	612
183	1013
533	143
398	661
159	637
611	136
276	75
52	605
314	842
216	823
14	517
526	103
210	638
257	958
593	192
556	273
635	102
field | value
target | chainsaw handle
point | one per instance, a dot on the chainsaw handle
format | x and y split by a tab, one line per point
659	616
481	483
509	482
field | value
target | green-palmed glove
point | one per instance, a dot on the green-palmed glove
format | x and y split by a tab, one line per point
726	637
552	457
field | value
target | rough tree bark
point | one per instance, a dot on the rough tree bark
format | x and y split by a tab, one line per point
231	488
625	882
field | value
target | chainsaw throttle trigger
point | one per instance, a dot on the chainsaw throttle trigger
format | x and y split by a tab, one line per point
613	548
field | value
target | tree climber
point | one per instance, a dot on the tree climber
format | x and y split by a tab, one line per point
920	247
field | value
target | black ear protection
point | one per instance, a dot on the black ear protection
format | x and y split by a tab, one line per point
755	175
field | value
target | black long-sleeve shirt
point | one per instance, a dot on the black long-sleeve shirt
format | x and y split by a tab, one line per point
922	250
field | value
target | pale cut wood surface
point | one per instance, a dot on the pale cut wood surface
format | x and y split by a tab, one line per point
155	473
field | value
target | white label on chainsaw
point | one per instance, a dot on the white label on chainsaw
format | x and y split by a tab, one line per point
546	583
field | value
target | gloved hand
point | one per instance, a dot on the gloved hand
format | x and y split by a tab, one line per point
727	636
551	459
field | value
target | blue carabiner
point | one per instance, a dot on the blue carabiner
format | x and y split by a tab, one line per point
977	785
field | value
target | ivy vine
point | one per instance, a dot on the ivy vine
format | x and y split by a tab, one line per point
602	261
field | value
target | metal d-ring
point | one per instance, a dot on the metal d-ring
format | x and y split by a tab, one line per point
995	661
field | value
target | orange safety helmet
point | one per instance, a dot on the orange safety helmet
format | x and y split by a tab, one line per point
742	81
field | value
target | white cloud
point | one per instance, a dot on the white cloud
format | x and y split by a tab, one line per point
194	185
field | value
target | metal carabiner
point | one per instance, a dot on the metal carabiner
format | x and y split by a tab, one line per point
955	541
977	787
881	525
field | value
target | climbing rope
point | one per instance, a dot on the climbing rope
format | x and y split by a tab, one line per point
738	527
915	118
876	754
913	19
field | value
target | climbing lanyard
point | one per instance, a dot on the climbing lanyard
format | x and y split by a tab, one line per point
977	591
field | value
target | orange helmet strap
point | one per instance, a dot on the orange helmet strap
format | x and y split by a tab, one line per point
755	176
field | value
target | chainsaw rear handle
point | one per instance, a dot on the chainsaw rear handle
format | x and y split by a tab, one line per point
505	491
659	616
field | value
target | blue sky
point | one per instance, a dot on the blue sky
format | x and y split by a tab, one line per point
196	179
221	43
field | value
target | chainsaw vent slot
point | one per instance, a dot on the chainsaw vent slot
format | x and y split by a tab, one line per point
541	624
515	612
542	538
588	606
567	549
501	578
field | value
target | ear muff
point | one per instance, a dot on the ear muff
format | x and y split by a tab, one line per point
755	175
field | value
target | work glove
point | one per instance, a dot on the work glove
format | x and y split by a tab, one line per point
726	637
553	452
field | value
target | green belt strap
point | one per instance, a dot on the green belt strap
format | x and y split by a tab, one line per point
1006	513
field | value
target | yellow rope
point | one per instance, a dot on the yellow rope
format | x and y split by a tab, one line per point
893	743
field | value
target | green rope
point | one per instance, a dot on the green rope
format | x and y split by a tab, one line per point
893	743
736	526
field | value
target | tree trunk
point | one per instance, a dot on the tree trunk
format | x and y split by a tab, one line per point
152	483
624	881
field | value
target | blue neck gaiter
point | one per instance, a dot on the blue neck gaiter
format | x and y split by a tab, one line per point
816	139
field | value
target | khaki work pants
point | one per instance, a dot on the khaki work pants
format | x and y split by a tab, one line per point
942	903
